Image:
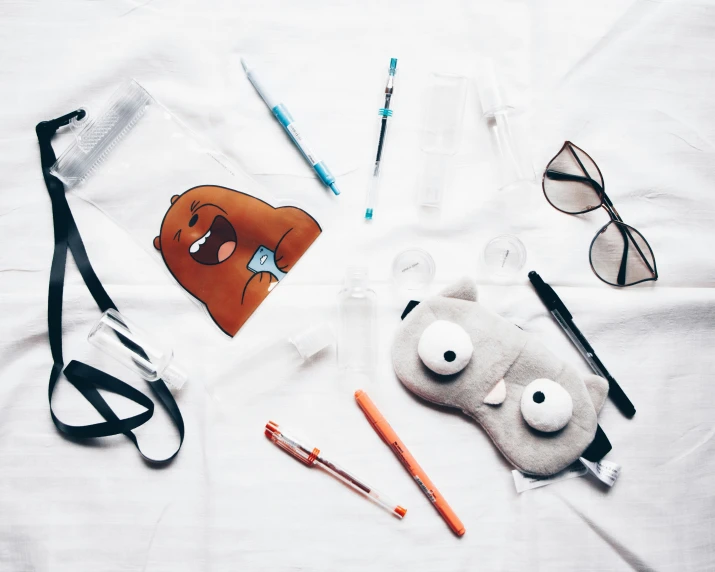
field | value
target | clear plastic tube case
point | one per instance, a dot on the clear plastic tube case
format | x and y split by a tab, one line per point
220	235
441	135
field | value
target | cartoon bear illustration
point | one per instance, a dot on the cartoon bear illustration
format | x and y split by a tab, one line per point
229	249
539	411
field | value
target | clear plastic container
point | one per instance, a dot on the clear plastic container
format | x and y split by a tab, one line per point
504	256
271	364
513	164
134	348
413	269
357	336
441	135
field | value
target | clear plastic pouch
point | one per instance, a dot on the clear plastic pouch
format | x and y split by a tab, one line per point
220	235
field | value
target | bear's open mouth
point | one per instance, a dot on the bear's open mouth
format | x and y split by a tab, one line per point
217	245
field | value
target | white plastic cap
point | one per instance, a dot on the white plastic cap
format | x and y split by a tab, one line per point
174	376
490	92
309	342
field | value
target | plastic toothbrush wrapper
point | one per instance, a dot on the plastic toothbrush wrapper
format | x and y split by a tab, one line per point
385	113
284	117
605	471
312	457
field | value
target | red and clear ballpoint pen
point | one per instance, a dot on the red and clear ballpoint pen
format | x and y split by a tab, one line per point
312	456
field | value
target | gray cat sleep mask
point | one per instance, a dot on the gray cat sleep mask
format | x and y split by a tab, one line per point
539	411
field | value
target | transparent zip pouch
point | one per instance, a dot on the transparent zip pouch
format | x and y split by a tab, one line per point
223	238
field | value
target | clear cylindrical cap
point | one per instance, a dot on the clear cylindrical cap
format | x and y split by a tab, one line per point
504	256
356	277
311	341
489	89
413	269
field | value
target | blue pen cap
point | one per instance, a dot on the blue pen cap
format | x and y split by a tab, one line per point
393	66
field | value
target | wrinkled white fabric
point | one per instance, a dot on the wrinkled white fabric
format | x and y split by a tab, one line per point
630	83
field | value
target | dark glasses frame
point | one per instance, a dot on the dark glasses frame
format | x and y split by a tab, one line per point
607	204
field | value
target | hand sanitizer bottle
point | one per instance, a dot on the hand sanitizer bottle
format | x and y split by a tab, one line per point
357	334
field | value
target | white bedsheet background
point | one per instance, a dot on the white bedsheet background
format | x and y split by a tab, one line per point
630	83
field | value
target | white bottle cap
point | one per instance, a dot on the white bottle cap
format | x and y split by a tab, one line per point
309	342
174	376
490	92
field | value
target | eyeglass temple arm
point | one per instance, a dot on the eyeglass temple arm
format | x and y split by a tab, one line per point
559	176
625	231
621	279
622	270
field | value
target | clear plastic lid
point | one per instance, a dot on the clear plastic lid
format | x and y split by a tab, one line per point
504	256
356	277
413	269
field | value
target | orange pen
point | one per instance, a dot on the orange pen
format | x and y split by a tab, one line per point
382	427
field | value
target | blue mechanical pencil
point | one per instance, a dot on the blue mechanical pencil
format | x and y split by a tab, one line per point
286	120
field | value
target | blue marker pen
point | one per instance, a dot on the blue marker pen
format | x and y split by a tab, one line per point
286	120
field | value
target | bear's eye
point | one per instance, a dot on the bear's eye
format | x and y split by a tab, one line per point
546	406
193	220
445	348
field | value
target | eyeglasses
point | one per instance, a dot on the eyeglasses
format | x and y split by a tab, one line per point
619	255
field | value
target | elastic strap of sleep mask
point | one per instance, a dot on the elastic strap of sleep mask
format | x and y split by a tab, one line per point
598	447
411	305
87	379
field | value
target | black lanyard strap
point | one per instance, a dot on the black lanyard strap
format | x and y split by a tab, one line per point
87	379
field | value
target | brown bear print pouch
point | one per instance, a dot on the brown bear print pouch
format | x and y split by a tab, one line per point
229	249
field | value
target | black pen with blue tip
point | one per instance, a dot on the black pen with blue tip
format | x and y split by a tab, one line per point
384	112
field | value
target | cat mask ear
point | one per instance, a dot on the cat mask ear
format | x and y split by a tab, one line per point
465	289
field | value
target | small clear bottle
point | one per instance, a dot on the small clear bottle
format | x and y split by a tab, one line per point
513	164
134	348
357	335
